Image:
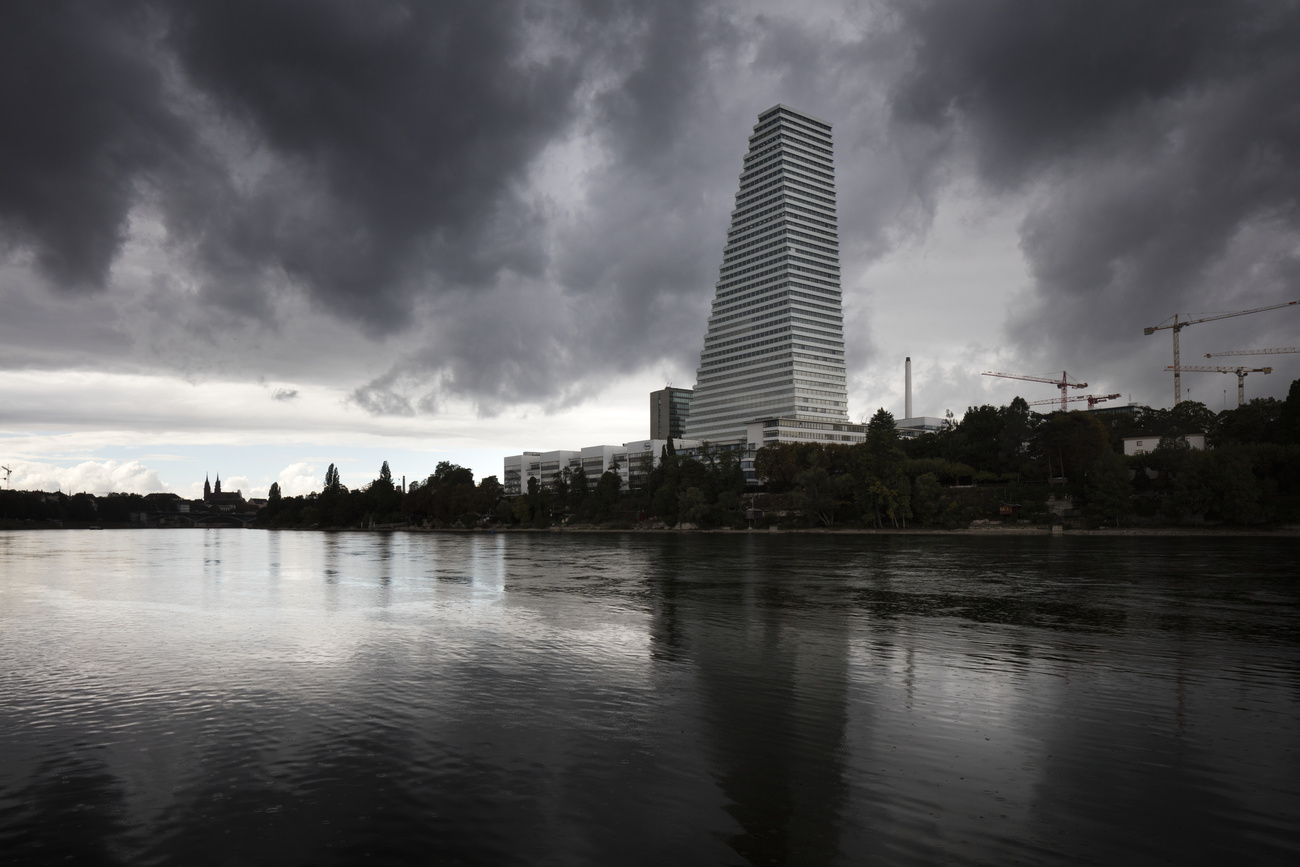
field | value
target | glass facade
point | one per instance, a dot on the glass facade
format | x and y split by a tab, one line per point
669	408
775	340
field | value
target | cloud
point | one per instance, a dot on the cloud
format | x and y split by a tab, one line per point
299	479
89	476
379	398
516	205
1158	146
70	176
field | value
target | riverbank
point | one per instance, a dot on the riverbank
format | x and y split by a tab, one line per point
994	530
991	529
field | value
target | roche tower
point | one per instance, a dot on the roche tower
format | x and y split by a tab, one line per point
775	341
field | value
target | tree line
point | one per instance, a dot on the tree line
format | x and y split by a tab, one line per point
993	461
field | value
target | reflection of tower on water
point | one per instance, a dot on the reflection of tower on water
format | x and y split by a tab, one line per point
772	674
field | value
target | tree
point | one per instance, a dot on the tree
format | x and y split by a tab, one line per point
606	495
818	494
488	494
577	488
1234	492
1286	429
382	497
976	439
1017	429
777	465
882	433
1107	488
538	504
927	497
446	474
1072	441
1252	423
1190	416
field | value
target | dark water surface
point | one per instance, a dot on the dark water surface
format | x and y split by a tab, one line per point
241	697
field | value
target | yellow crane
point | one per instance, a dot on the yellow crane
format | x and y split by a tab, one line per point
1177	326
1283	350
1240	371
1093	399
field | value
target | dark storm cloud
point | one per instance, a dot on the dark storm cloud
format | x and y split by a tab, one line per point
403	126
391	133
1160	142
85	120
522	201
365	158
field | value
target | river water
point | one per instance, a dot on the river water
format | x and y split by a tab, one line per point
237	697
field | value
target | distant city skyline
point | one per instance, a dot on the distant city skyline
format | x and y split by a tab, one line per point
270	238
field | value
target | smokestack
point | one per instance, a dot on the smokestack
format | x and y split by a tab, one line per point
907	390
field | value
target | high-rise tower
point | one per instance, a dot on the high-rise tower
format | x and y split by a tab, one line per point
775	342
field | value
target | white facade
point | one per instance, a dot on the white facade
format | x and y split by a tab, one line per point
775	341
772	431
518	468
630	460
1141	445
914	427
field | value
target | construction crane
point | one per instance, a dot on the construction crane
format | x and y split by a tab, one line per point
1177	326
8	473
1063	383
1240	371
1279	351
1093	399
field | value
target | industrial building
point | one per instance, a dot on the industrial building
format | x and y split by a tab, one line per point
911	426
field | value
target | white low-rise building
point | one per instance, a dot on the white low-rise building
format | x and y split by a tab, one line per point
632	461
1145	443
923	424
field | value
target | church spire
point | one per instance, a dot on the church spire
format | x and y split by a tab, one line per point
216	489
207	488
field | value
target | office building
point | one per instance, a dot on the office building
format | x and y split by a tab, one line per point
774	348
632	461
668	409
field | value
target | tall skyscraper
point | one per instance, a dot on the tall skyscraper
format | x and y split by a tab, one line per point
775	341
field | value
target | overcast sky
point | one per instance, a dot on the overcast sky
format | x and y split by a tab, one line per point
257	237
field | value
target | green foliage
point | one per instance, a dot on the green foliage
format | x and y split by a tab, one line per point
945	479
1069	442
817	494
1234	492
606	495
927	498
1108	489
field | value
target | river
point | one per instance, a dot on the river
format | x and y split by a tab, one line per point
236	697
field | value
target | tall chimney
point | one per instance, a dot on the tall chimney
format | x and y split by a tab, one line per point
907	390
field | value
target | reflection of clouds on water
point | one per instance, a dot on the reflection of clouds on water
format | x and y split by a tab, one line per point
694	698
945	743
